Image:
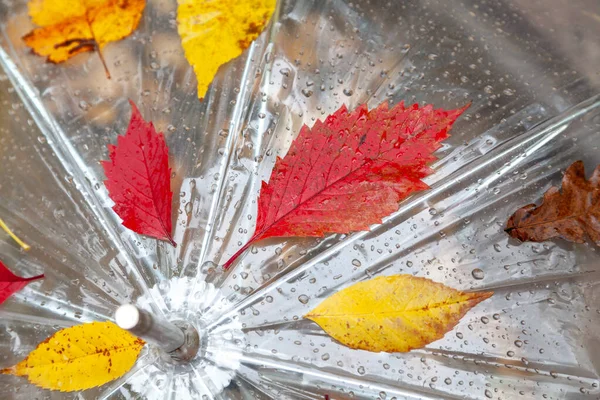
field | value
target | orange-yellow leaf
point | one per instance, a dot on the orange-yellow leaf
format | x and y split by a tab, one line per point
69	27
393	313
214	32
80	357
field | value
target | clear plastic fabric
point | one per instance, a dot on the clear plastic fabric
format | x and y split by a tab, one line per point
530	70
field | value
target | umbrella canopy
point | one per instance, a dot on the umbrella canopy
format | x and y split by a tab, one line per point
530	71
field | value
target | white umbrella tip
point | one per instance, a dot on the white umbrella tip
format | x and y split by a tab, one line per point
127	316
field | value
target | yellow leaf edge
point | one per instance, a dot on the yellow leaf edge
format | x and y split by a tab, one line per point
206	72
20	369
473	299
10	233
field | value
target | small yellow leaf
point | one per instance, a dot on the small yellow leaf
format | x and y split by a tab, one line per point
393	313
69	27
80	357
214	32
10	233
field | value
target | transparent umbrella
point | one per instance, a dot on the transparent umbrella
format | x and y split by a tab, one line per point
530	69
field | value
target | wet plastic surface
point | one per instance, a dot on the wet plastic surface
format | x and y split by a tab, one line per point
530	69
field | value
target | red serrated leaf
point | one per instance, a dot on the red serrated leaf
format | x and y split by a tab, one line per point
347	173
10	283
139	179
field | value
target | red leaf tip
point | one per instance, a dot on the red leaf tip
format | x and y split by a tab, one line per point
11	283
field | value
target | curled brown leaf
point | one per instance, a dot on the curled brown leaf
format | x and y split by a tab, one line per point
571	213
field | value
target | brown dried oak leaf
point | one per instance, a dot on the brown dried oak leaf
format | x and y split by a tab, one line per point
571	214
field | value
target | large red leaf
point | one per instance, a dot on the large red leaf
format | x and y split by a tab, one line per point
139	179
10	283
348	172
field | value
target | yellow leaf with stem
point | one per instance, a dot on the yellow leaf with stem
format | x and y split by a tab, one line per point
393	313
10	233
80	357
215	32
70	27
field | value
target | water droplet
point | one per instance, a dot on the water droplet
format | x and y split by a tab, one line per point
261	115
510	353
361	370
488	394
448	381
303	299
307	92
409	264
356	263
485	320
478	273
269	299
518	343
348	92
325	357
84	105
432	211
285	71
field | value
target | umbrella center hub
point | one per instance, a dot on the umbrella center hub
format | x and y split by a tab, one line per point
179	341
190	347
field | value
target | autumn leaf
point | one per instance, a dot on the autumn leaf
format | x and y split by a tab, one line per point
571	214
70	27
348	172
10	283
215	32
80	357
10	233
139	179
393	313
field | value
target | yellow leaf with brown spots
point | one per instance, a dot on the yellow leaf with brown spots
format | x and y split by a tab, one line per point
80	357
393	313
215	32
70	27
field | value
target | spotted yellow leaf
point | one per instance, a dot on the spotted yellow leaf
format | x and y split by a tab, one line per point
214	32
80	357
70	27
393	313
